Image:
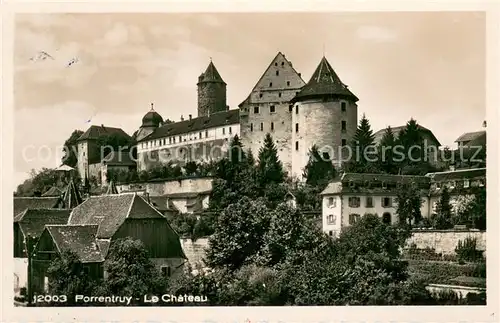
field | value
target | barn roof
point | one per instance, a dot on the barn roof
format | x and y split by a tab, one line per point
469	136
80	239
397	130
95	132
23	203
110	211
33	221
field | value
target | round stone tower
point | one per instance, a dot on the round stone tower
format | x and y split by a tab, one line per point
324	114
211	92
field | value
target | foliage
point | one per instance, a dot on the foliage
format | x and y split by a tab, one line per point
70	149
238	234
67	277
131	271
192	226
364	158
386	149
269	169
467	250
474	212
41	181
308	198
442	219
409	202
449	297
114	142
318	171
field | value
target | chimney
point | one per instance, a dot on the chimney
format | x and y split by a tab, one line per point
190	117
182	118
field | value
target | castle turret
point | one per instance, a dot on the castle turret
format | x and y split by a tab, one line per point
325	115
211	92
150	122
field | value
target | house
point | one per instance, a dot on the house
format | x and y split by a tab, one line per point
96	223
461	183
348	198
31	214
28	226
471	138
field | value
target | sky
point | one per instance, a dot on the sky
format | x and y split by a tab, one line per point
429	66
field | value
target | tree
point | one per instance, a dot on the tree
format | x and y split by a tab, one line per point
386	152
70	150
67	277
364	154
270	168
131	271
114	142
191	167
41	181
318	171
238	234
409	202
442	219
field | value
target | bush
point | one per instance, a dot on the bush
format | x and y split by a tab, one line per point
449	297
467	250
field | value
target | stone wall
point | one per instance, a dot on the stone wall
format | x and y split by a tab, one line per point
211	98
445	241
194	251
159	188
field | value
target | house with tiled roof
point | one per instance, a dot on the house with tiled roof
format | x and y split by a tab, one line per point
89	153
31	214
353	195
97	222
427	135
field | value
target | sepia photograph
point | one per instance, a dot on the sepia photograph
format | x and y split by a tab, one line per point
250	159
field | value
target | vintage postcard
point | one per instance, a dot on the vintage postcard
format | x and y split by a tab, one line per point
239	159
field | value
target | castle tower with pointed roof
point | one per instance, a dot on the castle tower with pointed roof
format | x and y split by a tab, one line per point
267	109
325	115
211	92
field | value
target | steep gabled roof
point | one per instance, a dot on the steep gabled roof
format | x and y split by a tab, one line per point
324	82
23	203
80	239
33	221
110	211
287	73
217	119
53	191
72	196
210	75
95	132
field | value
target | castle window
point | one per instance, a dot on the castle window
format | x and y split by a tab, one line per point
270	84
230	130
287	83
290	108
255	109
296	109
369	201
296	127
260	95
180	139
344	126
275	63
296	145
343	106
279	94
272	109
277	73
282	63
386	202
165	271
173	139
326	156
206	133
272	126
344	142
251	127
354	201
169	140
261	126
331	219
223	131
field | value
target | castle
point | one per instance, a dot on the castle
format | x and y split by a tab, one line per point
296	114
